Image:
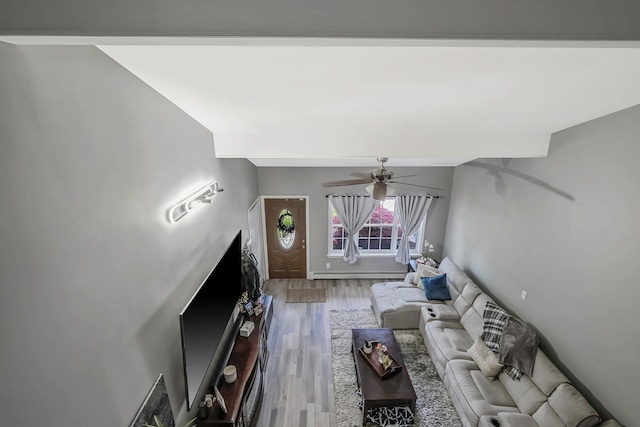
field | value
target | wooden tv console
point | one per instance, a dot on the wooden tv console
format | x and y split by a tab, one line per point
243	397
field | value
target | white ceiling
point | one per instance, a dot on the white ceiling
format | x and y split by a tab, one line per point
344	105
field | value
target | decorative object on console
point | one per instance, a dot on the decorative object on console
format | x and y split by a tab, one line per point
248	307
203	195
230	374
435	288
209	399
242	301
203	410
220	400
247	328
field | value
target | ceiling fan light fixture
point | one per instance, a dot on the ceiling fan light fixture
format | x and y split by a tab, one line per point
378	190
390	190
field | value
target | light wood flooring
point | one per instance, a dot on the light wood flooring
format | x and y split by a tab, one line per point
299	378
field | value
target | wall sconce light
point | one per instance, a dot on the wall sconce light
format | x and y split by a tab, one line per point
203	195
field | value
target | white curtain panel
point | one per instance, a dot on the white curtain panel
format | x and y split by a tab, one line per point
411	210
354	212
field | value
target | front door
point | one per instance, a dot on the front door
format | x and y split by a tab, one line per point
286	225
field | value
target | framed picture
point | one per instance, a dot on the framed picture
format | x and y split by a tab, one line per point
259	308
249	308
220	400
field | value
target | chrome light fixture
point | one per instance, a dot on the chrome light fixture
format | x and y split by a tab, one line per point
203	195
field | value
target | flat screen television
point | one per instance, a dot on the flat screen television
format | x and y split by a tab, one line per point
209	321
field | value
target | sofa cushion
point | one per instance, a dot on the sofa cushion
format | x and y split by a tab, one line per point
435	288
525	393
470	292
546	376
494	319
412	294
547	417
472	322
397	305
460	304
572	408
473	394
448	340
455	276
486	360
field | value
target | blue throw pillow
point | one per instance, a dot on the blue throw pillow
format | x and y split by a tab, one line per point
435	288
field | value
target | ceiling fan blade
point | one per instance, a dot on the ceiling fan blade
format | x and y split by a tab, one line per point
404	176
416	185
346	182
362	175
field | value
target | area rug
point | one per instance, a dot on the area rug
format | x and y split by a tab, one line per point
307	295
433	406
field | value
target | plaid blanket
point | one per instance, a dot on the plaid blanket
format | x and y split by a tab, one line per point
494	321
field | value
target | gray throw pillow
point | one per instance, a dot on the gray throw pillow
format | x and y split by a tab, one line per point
518	346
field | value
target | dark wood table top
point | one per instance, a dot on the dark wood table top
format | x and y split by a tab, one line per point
397	387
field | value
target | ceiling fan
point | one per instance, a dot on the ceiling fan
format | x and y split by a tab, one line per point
379	180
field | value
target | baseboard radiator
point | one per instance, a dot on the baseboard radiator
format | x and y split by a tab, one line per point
390	275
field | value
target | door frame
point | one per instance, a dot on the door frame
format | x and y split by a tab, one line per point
261	263
265	252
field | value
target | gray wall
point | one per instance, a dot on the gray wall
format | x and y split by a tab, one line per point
308	181
488	19
92	275
575	258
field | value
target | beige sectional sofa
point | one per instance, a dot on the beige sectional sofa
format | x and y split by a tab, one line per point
545	399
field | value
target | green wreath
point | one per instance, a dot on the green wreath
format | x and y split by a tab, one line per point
285	223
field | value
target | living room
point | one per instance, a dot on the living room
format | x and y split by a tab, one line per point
94	276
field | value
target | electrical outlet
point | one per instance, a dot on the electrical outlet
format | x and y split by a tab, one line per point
523	295
328	266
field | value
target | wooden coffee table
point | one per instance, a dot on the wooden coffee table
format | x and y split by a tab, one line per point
396	390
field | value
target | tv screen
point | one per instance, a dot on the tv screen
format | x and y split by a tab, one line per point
207	324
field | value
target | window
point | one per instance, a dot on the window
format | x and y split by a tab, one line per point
379	236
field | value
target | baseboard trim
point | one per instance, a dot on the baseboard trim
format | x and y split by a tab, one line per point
393	275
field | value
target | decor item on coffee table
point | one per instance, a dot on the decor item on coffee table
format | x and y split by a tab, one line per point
379	389
433	405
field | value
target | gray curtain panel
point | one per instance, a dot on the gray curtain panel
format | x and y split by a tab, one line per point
411	210
353	212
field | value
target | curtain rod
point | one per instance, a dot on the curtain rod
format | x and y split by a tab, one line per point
366	195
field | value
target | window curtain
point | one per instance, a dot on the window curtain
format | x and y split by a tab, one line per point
411	210
354	212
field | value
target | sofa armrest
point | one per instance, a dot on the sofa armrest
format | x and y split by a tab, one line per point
408	279
439	312
507	419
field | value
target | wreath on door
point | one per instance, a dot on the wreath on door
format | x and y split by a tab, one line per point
285	223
